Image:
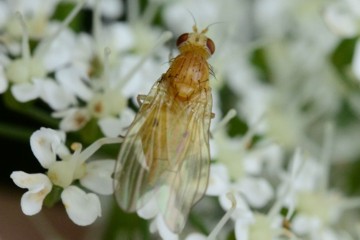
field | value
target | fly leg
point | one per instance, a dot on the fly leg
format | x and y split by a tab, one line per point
140	99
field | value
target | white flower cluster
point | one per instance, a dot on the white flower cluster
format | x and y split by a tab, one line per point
80	77
289	69
48	145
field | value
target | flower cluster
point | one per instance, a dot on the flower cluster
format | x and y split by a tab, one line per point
63	169
286	103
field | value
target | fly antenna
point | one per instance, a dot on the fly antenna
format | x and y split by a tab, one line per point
210	25
194	20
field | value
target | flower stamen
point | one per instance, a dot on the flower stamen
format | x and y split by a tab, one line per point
25	38
225	218
295	171
90	150
47	42
226	119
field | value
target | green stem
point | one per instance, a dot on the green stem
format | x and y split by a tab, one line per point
39	115
29	110
15	132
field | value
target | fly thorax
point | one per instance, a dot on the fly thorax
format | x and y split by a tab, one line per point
184	91
189	75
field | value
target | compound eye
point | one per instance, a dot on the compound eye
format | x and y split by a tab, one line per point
210	45
182	38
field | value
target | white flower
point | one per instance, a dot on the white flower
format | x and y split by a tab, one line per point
48	146
28	73
118	37
236	163
256	191
218	180
284	125
25	92
63	50
107	96
103	106
97	177
55	95
114	127
108	8
75	81
37	14
342	17
159	225
269	16
38	186
316	210
21	71
230	152
82	208
144	78
73	119
152	210
258	227
196	236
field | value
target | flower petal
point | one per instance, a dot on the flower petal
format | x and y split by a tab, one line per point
111	8
242	230
24	92
151	208
83	208
196	236
160	225
39	186
71	80
256	190
218	181
303	224
46	143
98	176
73	118
61	50
114	127
3	81
56	96
339	18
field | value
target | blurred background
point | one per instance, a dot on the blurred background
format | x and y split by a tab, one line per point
290	69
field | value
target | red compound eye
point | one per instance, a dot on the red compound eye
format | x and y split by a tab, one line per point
182	38
210	45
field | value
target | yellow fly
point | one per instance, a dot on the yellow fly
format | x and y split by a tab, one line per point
165	153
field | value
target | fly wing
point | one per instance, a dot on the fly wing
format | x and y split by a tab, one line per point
187	182
132	170
165	153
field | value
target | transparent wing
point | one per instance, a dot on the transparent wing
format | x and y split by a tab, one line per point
188	184
165	152
131	177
